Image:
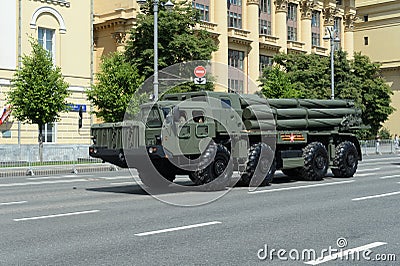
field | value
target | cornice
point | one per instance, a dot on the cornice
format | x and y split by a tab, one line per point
55	2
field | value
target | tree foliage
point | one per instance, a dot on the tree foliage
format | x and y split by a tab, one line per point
39	92
309	76
117	81
178	40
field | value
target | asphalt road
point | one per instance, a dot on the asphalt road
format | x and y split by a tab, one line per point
107	219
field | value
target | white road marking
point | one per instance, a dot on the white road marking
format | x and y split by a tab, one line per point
124	183
42	182
345	253
389	176
56	177
115	177
12	203
55	215
365	174
377	196
177	228
368	170
300	187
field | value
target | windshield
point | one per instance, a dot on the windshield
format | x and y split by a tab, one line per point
153	117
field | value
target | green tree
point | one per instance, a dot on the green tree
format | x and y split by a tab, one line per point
38	94
178	40
277	84
118	80
375	93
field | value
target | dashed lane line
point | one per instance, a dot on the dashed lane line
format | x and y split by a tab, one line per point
377	196
177	228
12	203
301	187
54	215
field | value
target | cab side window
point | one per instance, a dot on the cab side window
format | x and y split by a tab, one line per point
198	116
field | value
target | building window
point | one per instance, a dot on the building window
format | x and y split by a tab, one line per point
292	22
339	2
265	61
235	85
265	19
46	39
265	6
292	33
365	18
316	28
292	12
49	133
235	2
366	40
235	59
203	7
337	26
265	27
315	39
316	19
234	20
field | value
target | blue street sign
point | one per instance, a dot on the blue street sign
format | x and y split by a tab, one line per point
76	107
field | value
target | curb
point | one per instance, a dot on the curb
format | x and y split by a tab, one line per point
56	170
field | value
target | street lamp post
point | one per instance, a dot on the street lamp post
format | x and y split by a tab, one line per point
331	36
169	5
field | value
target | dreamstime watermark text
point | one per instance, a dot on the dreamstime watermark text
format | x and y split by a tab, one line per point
338	252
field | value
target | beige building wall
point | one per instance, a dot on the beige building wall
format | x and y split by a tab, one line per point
377	35
72	49
115	18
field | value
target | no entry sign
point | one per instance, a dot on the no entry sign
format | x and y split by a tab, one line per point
199	71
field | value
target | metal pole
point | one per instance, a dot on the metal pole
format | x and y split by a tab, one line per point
155	82
332	65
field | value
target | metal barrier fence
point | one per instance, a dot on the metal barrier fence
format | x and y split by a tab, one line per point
370	147
24	160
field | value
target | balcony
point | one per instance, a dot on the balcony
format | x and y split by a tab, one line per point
319	50
295	46
269	42
208	26
239	36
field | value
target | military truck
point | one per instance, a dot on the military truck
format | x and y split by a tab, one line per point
208	135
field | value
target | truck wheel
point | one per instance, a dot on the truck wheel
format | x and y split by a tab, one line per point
259	154
315	162
346	160
216	175
292	172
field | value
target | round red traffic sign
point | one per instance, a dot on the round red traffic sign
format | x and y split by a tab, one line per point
199	71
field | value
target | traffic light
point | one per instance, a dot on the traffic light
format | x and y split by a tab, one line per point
80	117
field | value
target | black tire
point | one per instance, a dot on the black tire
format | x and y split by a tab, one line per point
215	168
315	162
346	160
292	172
259	168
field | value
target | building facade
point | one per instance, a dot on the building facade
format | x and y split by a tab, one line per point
248	32
377	35
64	28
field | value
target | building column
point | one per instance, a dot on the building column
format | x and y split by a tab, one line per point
349	34
219	17
306	14
254	50
281	8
